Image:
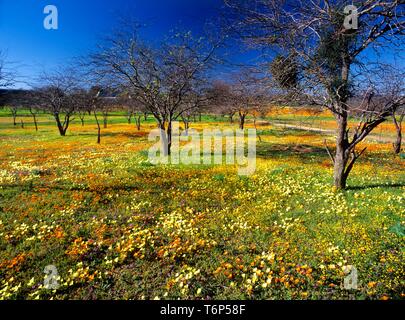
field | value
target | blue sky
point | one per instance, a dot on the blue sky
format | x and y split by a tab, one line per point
83	23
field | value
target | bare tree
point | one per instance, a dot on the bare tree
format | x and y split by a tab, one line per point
94	101
82	109
247	94
221	102
81	115
15	100
32	102
133	108
6	80
105	107
242	96
58	94
82	101
14	110
90	102
7	77
330	55
158	78
397	119
34	112
194	104
393	86
130	113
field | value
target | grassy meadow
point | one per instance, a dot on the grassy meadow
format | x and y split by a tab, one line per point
117	227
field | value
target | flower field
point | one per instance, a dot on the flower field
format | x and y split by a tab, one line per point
117	227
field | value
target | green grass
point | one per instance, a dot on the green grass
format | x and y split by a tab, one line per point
117	227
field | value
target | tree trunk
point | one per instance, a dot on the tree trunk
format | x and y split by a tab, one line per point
35	122
340	173
186	126
99	135
14	118
397	143
169	137
254	123
341	156
98	128
242	121
398	140
164	137
81	116
34	118
138	123
62	130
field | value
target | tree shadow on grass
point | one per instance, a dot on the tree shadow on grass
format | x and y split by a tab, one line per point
283	132
377	185
303	151
139	134
63	187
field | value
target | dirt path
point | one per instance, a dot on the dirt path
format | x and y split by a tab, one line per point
373	137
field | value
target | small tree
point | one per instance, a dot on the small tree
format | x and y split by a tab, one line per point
90	102
158	78
83	103
197	101
394	89
329	52
221	102
247	94
7	77
95	102
33	103
14	111
242	96
134	108
129	114
16	100
58	96
34	112
82	115
105	109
